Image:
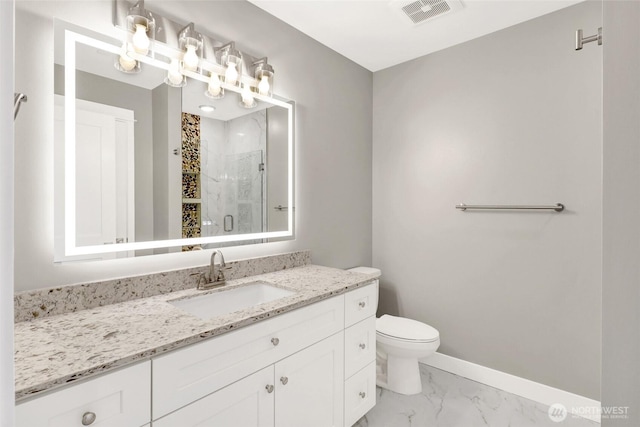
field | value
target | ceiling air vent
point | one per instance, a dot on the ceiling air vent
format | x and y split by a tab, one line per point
423	10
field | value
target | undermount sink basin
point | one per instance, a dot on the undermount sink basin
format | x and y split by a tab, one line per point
228	301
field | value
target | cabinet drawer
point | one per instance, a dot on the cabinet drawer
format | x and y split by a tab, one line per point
117	399
360	303
245	403
186	375
359	394
359	346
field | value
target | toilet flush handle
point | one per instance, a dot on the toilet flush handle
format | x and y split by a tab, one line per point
362	304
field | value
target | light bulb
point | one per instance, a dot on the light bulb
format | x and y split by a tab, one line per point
141	40
174	76
215	86
263	86
231	75
190	59
126	62
247	96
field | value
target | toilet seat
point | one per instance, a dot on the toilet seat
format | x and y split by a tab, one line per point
407	330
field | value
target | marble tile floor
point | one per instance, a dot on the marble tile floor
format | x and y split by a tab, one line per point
448	400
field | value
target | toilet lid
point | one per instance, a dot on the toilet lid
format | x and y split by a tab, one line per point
406	329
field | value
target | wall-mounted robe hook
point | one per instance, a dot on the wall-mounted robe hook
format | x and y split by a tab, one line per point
580	40
18	99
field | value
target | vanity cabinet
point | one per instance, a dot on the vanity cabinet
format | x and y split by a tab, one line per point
185	375
118	399
303	389
312	367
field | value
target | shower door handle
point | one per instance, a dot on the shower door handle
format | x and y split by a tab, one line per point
228	223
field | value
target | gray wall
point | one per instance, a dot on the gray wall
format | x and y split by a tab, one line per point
167	168
621	217
333	136
91	87
509	118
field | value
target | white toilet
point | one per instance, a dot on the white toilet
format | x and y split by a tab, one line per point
400	343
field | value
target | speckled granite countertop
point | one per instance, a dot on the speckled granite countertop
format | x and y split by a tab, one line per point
57	350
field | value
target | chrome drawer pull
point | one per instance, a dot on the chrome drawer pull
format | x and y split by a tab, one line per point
269	388
275	341
363	345
363	394
284	380
88	418
362	304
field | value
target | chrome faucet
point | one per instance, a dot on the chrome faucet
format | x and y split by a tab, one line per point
214	279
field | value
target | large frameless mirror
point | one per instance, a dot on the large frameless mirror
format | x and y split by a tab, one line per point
152	168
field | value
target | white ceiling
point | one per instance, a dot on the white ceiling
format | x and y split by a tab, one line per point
374	34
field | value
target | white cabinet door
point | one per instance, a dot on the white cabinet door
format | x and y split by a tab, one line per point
310	386
245	403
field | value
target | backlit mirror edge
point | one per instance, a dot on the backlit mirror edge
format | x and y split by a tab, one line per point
70	247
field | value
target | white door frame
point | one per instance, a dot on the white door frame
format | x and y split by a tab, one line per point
126	119
7	387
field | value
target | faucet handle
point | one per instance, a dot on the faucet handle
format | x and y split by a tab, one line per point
202	280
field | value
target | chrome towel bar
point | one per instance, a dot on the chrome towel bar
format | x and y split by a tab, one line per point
558	207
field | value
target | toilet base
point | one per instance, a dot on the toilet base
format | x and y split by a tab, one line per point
398	374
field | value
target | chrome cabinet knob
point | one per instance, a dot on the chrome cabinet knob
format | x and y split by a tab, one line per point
269	388
275	341
363	394
362	304
284	380
362	345
88	418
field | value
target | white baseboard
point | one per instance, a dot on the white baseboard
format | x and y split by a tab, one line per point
578	405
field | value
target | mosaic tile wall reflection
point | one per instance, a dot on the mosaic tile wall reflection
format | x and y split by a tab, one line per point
191	161
190	186
190	143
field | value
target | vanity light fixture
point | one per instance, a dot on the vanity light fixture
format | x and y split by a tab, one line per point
174	76
214	88
263	73
231	58
142	23
191	43
154	39
247	99
126	63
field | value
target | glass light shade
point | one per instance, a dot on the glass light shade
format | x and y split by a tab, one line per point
231	75
174	76
125	63
264	86
214	88
190	59
140	40
248	101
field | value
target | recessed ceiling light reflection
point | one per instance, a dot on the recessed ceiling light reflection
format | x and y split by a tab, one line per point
207	108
